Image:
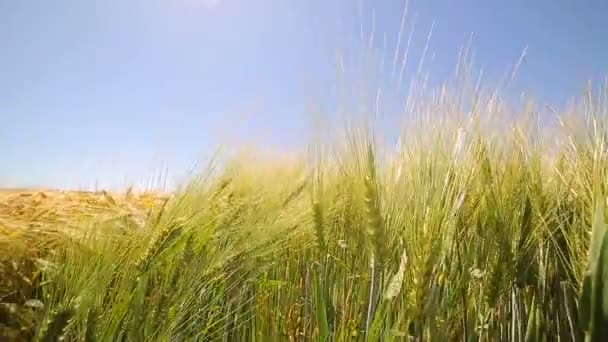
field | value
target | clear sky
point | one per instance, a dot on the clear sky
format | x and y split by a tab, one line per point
110	91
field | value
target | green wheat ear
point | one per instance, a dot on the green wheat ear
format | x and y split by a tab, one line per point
375	221
593	308
163	241
319	228
90	334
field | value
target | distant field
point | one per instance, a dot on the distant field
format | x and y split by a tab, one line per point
36	221
18	206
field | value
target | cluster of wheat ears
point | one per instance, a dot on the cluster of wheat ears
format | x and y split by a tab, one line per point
482	224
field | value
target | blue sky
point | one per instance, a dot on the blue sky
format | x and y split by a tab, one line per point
110	92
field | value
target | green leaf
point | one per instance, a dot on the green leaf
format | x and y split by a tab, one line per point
321	311
531	331
597	236
599	301
602	281
584	307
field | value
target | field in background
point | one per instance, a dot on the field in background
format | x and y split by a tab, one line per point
477	226
34	222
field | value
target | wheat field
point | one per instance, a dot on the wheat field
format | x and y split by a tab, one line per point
485	223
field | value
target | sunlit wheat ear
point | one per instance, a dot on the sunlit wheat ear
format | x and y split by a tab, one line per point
294	194
492	286
224	184
317	211
425	287
394	287
57	325
165	239
375	222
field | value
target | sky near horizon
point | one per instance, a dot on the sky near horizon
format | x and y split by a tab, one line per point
108	93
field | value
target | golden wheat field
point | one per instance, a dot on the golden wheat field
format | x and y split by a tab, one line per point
34	222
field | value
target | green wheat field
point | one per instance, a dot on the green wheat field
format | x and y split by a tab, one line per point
486	222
